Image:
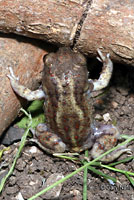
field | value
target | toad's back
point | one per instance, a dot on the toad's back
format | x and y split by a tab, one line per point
67	107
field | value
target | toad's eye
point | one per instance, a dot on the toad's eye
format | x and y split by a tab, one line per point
48	59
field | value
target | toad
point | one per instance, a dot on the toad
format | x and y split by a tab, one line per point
67	90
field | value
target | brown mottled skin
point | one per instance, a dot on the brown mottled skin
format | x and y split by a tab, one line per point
68	107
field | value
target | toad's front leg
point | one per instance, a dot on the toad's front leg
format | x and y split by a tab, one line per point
43	136
23	91
106	73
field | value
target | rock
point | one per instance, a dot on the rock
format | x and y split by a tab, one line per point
26	59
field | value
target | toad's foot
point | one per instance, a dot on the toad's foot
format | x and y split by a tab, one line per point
106	73
106	138
22	90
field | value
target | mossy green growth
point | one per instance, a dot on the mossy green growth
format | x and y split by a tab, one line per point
36	110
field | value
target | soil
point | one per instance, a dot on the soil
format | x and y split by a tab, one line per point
34	166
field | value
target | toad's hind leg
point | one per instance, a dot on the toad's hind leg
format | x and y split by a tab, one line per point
47	140
106	137
22	90
106	73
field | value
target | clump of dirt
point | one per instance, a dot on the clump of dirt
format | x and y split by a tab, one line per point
34	166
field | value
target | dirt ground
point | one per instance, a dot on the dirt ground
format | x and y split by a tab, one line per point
34	166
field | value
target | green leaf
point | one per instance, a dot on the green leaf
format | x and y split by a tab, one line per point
36	108
39	118
100	173
2	151
121	161
130	179
36	105
85	179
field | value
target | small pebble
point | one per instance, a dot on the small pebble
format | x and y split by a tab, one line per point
106	117
77	195
114	104
98	117
19	196
33	149
54	192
